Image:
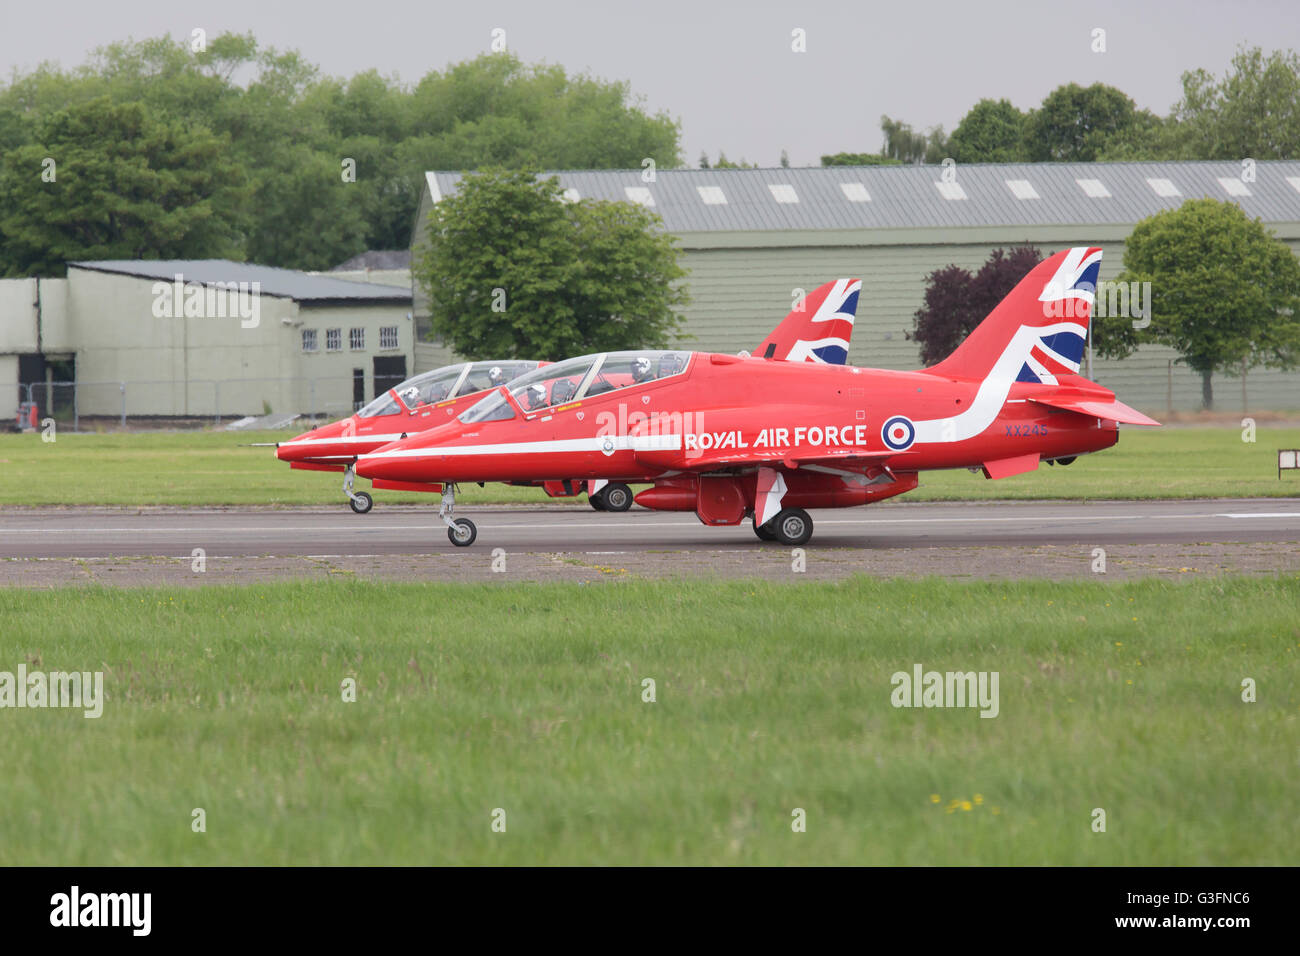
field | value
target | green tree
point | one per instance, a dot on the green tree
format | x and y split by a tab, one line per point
1224	292
859	159
513	270
1074	123
993	131
956	301
123	185
1253	111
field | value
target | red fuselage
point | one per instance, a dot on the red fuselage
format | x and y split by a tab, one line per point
823	426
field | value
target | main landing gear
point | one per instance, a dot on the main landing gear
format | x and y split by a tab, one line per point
460	531
615	496
360	502
792	527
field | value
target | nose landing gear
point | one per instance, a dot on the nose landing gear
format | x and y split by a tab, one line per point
360	502
460	531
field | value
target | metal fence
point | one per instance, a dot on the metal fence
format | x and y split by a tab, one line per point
212	400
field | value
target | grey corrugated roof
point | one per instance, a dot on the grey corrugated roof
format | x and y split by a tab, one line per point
283	283
910	197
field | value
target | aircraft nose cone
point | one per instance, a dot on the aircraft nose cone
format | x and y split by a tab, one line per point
308	445
375	466
292	450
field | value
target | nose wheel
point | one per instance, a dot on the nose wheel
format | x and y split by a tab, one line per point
460	531
359	501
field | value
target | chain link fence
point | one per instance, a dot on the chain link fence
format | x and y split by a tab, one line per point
195	402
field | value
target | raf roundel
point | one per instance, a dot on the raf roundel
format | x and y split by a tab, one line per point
898	433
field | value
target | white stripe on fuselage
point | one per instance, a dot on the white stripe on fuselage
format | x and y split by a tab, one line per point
993	391
383	439
552	446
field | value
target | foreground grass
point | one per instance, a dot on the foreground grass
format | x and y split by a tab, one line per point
217	468
770	697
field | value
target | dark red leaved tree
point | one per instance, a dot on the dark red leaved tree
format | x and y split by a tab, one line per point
956	301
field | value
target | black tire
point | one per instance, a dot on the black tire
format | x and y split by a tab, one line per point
616	497
793	527
361	502
764	531
597	501
1066	461
463	535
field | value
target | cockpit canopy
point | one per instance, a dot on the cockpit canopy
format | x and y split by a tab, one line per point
441	384
575	379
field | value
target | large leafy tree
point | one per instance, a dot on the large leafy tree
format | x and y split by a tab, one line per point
1252	112
111	181
290	131
1074	122
514	270
992	132
957	300
1224	292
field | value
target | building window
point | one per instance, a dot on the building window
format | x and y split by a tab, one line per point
356	339
333	340
388	336
309	340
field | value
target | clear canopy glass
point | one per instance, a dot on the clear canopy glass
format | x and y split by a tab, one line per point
451	381
575	379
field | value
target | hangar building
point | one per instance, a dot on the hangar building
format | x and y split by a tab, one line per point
201	338
752	236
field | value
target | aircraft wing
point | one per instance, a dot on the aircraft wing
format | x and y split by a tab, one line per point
845	459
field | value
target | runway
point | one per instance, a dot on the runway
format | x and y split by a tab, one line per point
336	531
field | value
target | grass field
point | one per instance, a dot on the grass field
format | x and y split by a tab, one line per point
770	697
211	468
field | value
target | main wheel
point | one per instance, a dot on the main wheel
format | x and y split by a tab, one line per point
1066	461
617	497
764	531
793	527
463	534
361	503
597	501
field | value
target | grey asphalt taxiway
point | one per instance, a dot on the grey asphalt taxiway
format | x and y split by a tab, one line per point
105	532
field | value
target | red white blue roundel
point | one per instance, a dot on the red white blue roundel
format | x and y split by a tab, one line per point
898	433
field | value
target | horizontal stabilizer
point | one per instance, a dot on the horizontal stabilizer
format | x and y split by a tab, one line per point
1112	410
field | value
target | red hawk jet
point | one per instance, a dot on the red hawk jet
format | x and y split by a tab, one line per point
817	331
730	437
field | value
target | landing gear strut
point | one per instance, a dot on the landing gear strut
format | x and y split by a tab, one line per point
360	502
460	531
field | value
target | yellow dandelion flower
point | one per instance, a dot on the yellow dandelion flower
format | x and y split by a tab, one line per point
979	799
934	798
965	804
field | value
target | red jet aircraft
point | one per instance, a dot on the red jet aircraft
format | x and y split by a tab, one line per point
818	330
414	406
729	437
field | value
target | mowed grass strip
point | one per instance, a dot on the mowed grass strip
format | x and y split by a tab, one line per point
217	468
769	697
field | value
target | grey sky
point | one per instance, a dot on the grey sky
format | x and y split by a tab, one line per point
726	70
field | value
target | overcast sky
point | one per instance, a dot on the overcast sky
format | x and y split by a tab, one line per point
726	70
